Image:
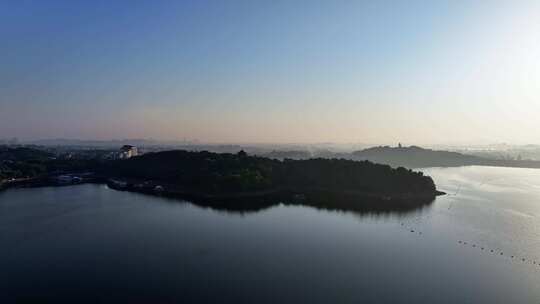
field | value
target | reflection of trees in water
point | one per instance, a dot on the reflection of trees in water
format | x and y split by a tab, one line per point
364	206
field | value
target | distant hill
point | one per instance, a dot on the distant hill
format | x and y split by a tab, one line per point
416	157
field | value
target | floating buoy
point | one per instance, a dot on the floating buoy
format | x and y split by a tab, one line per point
412	230
482	248
501	253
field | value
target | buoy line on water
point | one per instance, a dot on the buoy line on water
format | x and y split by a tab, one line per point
501	253
512	258
496	252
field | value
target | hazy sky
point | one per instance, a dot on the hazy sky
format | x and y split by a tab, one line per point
272	71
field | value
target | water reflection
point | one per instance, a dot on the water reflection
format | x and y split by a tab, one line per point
346	204
88	243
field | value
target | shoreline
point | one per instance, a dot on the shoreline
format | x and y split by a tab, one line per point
252	200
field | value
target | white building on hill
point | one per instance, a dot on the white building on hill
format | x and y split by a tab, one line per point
128	151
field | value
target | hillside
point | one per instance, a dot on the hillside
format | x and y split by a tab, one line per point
22	162
215	173
416	157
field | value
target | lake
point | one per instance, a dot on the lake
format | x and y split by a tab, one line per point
87	243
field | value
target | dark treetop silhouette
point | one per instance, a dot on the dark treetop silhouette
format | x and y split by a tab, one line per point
238	181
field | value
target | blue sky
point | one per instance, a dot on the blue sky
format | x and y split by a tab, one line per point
271	71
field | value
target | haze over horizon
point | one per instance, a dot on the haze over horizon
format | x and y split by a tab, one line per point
359	145
238	72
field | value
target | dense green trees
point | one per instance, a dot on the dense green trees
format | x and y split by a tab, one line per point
339	174
22	162
212	172
208	172
25	162
203	171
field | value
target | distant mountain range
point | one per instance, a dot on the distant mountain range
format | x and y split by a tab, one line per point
417	157
408	157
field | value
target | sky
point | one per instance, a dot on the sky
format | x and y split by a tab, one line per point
419	72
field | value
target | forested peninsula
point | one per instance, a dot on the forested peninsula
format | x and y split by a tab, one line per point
225	178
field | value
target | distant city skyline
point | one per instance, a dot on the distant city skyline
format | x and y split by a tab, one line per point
438	72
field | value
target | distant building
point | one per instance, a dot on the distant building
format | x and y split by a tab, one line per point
128	151
242	153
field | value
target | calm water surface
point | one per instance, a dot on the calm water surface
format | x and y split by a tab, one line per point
90	244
